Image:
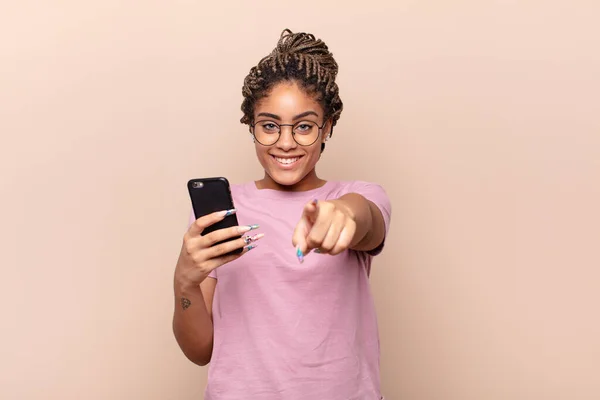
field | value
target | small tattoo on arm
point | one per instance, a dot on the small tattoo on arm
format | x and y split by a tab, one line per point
185	303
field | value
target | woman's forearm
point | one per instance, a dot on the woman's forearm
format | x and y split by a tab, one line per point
192	324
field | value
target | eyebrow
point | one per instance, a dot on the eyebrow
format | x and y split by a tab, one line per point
297	117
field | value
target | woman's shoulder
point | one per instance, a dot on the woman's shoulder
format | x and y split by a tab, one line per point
240	187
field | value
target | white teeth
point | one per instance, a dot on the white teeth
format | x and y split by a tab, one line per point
287	160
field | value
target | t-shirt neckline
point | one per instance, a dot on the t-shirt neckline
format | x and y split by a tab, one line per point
283	194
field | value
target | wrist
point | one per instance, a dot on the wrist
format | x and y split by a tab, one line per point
186	287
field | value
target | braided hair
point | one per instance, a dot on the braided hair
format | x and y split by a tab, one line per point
299	58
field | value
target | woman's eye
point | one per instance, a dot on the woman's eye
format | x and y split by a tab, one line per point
268	126
304	127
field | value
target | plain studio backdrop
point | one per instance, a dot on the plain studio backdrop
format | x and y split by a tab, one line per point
480	118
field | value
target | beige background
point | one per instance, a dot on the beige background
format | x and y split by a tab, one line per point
481	118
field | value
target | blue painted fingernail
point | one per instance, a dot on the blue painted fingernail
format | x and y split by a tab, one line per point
252	246
246	228
299	254
229	212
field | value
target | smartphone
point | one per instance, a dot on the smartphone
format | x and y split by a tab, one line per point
209	195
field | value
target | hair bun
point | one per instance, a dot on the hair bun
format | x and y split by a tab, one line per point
301	45
297	57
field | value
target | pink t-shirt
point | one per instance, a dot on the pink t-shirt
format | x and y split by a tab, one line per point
290	331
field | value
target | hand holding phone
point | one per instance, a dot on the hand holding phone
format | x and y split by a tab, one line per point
211	195
215	238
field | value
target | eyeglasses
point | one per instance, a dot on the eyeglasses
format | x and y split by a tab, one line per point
267	132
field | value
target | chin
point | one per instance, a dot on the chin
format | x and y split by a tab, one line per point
286	178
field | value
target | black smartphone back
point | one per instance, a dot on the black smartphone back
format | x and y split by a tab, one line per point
210	195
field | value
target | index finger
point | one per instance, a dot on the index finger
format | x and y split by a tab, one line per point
299	239
199	225
303	227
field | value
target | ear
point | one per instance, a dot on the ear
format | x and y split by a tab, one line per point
251	134
327	130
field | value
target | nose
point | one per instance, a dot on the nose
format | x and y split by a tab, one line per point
286	140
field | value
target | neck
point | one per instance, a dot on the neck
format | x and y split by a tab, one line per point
309	182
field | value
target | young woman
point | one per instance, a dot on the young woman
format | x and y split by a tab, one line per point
292	316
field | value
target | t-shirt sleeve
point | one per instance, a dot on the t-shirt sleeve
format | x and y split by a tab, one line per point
377	195
213	273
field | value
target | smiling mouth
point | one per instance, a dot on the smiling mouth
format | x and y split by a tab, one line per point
286	160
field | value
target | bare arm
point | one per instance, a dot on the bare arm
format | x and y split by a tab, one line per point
194	289
192	320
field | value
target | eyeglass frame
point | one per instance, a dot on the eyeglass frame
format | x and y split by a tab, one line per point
251	128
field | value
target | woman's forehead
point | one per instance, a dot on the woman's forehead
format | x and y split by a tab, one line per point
287	100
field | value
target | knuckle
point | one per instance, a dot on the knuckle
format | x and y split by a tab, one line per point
204	268
217	236
197	258
350	226
221	234
219	250
210	239
346	242
312	241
